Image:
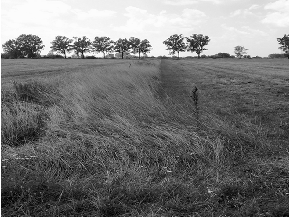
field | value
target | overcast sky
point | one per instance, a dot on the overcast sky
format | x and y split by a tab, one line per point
254	24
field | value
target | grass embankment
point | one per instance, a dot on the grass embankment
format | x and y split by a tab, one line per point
120	141
96	143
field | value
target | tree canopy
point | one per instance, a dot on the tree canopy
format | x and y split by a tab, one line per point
240	51
197	42
122	46
175	43
139	46
102	44
284	42
145	46
30	45
24	45
12	48
135	45
81	46
61	44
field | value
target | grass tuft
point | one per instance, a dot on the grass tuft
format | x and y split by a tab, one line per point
37	92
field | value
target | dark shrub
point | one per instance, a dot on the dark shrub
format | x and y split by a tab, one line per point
52	56
5	56
90	57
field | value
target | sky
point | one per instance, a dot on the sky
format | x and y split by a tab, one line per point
254	24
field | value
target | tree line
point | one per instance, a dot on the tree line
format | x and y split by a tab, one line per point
195	43
31	45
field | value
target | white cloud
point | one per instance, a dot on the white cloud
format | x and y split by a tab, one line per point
140	20
48	19
190	2
180	2
29	12
236	13
279	15
244	30
254	32
93	13
233	29
245	12
44	12
280	5
253	7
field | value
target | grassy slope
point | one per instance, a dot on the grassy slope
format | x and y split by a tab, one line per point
119	140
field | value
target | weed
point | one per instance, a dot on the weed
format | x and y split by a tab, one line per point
21	122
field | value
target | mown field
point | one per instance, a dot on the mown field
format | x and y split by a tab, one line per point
125	138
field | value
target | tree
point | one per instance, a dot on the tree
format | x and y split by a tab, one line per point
122	46
134	44
240	51
197	42
24	45
139	46
12	49
81	46
102	44
30	45
61	44
175	43
284	42
145	47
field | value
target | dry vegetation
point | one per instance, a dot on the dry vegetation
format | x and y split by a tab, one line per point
111	139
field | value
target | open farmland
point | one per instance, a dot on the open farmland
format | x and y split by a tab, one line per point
124	138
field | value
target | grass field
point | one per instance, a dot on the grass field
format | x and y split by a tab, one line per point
124	138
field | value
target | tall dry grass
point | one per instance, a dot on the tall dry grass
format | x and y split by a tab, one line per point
97	142
105	142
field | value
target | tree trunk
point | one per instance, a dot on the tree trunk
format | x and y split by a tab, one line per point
178	55
122	55
64	55
103	55
139	54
